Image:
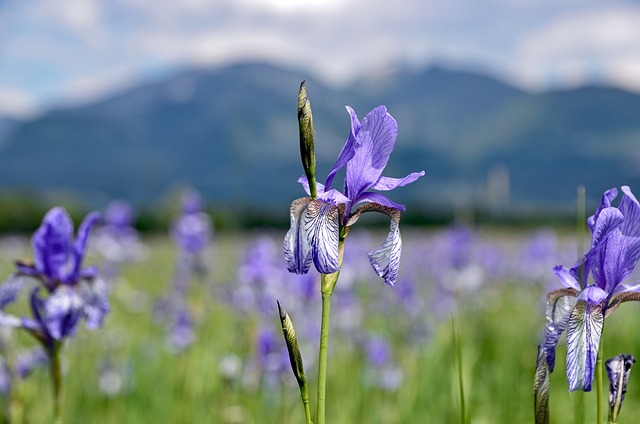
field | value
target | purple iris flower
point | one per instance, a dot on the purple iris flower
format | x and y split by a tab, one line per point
192	230
317	224
583	305
72	292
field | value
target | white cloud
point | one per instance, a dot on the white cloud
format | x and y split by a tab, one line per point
16	103
79	49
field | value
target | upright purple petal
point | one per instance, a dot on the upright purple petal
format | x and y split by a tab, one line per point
52	244
80	244
297	250
348	150
373	146
630	231
608	197
322	225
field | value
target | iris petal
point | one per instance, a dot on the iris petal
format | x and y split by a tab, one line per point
62	311
560	303
374	143
297	251
386	259
321	222
388	183
9	290
95	297
583	339
80	244
567	277
348	150
52	243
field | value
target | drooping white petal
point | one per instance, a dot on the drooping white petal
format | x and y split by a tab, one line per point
321	222
386	259
297	251
583	339
62	311
560	303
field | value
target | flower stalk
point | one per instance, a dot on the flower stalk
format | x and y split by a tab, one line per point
56	380
599	381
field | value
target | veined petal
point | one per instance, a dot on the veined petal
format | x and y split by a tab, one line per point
373	146
583	339
560	303
608	197
388	183
334	197
321	222
62	311
629	252
608	220
386	259
52	243
348	150
381	199
297	250
623	293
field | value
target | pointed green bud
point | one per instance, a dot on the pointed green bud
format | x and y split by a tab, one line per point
307	147
541	387
618	370
292	346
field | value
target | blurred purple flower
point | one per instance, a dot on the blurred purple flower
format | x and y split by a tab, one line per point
117	240
73	293
181	334
317	223
28	361
581	308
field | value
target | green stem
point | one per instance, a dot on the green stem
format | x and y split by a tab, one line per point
327	284
56	381
599	379
581	224
457	349
322	356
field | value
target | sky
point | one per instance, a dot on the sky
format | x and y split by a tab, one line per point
61	52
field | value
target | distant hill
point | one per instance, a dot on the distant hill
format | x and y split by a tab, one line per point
232	133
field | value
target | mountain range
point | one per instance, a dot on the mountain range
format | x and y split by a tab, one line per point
231	132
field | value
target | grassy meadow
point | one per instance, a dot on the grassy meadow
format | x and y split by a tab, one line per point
391	357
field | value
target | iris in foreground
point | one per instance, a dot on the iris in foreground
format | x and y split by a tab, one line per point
582	306
321	222
65	293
